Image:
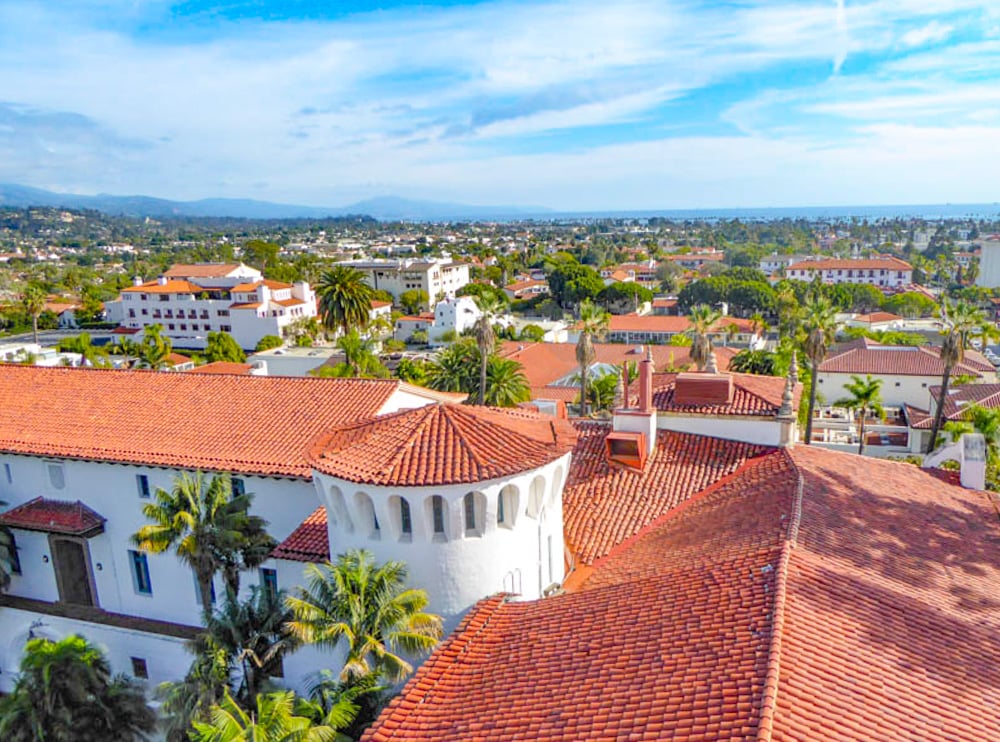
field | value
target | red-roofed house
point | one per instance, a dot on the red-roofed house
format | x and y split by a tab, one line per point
884	272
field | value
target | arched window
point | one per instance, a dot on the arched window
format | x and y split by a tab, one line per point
366	512
557	480
437	515
507	504
474	507
402	519
340	509
536	496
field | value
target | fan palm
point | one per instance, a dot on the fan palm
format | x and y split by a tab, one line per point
593	323
345	300
819	326
489	306
274	720
33	303
959	321
369	609
866	397
203	521
702	319
65	693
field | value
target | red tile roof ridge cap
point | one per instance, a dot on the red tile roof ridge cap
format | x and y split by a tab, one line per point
690	502
769	697
443	658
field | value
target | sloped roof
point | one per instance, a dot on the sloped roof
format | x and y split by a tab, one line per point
866	356
752	395
223	367
309	542
881	263
812	595
249	424
442	444
173	286
53	516
202	270
960	398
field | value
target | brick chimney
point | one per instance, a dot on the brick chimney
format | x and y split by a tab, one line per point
641	419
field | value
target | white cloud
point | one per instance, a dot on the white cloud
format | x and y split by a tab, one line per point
932	33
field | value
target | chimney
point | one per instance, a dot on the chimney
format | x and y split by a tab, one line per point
137	281
646	383
625	382
638	425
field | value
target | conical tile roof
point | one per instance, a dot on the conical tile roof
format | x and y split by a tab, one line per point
441	444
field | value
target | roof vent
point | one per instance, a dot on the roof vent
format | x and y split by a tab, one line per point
627	449
703	389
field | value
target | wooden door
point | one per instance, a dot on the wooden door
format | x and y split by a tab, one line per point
73	576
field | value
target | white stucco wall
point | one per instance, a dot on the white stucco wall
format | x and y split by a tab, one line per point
896	390
764	431
458	569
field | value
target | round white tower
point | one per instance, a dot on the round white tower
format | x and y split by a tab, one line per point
469	498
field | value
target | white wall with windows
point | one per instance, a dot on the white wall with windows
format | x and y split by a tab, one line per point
461	542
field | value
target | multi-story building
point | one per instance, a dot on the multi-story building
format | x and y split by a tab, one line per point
439	278
883	272
189	301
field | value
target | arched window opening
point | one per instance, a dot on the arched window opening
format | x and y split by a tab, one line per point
507	504
474	506
401	518
367	515
437	516
340	509
536	497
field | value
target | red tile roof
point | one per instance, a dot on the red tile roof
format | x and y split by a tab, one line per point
877	317
170	287
310	542
201	270
249	424
882	263
603	505
442	444
751	395
866	356
54	516
223	367
960	398
812	595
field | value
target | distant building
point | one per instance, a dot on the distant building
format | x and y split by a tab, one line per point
881	272
439	278
189	301
989	262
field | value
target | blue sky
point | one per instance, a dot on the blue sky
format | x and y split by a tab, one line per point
573	105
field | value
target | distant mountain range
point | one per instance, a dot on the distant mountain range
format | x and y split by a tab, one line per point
385	208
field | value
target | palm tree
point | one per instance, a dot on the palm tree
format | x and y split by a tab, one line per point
760	362
368	608
155	348
451	370
959	321
866	396
274	720
593	323
202	520
359	357
602	391
702	319
506	384
33	303
204	686
128	348
490	306
65	693
345	300
819	325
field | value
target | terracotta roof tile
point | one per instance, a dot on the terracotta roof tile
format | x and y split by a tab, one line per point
603	504
867	357
202	270
442	444
309	542
881	263
250	424
223	367
170	287
752	395
53	516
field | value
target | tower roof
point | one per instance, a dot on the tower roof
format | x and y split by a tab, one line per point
442	444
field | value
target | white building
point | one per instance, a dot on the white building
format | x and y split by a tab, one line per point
452	317
989	262
189	301
882	272
439	278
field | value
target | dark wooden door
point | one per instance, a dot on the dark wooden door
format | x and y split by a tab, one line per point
72	571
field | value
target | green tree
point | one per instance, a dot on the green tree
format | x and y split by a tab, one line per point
65	692
268	342
453	368
8	555
261	254
222	347
202	687
959	322
865	399
204	521
360	359
624	296
592	323
571	283
602	391
368	609
910	304
414	301
819	327
486	340
411	371
506	384
345	300
33	303
155	348
986	421
703	319
532	333
273	720
759	362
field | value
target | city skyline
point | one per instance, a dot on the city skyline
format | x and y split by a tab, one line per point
567	106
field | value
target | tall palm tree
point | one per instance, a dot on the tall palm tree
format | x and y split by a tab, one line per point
201	519
490	306
345	300
369	609
33	303
819	327
451	370
65	693
155	348
866	397
702	319
506	384
128	348
202	687
593	323
273	720
959	322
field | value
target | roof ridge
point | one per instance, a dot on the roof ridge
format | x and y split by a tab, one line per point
460	432
769	698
